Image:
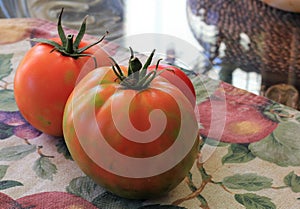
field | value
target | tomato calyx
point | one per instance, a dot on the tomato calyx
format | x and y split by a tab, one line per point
70	47
137	77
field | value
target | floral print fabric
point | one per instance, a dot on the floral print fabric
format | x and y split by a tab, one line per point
253	162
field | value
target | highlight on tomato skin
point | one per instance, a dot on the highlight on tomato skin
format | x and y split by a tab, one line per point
142	134
48	73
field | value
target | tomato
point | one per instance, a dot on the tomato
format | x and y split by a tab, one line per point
46	77
178	78
135	142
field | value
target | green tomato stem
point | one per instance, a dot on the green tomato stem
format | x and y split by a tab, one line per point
69	44
137	77
60	29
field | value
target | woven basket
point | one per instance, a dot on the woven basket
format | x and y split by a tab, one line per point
273	47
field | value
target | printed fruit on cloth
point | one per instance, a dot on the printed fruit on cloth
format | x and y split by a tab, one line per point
49	200
134	134
234	115
47	74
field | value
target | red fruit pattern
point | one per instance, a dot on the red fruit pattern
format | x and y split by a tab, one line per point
7	202
54	200
13	123
49	200
242	123
239	96
234	115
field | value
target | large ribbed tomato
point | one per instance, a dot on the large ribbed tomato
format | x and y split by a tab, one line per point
47	75
178	78
136	140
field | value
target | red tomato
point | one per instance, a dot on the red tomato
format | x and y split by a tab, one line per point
137	143
44	80
178	78
48	73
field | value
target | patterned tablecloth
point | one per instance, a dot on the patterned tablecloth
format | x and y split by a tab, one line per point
249	156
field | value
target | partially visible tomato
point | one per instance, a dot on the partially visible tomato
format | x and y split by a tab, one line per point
136	140
46	77
178	78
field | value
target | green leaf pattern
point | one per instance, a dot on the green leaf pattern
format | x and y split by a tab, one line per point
238	153
293	181
3	169
204	87
62	148
44	168
109	200
5	65
282	147
253	201
85	187
5	184
16	152
8	184
248	181
7	100
5	131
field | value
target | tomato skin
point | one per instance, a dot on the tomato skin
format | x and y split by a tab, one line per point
84	120
44	80
178	78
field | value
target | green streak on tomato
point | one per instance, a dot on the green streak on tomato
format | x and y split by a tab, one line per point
70	77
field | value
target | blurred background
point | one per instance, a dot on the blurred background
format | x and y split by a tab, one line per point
118	16
125	18
246	43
